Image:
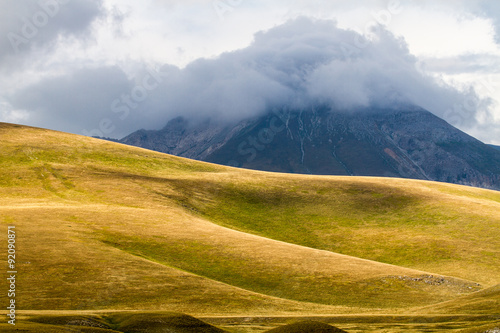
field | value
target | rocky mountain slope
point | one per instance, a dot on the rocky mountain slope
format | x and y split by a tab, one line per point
496	147
406	142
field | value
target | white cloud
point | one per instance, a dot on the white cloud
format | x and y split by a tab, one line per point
10	115
303	62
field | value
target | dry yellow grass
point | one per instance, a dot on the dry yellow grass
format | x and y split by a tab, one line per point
104	226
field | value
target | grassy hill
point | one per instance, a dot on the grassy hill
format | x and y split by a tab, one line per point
478	302
102	226
118	322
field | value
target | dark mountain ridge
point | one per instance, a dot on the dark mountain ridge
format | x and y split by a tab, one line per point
407	142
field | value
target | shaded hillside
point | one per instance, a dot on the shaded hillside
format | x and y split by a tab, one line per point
117	322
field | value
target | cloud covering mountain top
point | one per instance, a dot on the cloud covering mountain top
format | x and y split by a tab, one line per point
306	62
299	64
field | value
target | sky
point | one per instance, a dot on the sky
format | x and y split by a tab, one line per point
110	67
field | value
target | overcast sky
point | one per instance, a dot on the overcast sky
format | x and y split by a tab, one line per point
110	67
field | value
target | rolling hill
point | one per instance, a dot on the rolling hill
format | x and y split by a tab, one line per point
106	227
478	302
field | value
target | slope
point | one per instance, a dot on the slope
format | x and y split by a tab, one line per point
479	302
428	226
495	147
105	226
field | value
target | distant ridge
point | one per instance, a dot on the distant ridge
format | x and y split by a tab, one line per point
406	142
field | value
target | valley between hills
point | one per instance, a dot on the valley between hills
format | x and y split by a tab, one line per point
113	238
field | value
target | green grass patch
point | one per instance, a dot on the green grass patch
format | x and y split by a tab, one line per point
408	229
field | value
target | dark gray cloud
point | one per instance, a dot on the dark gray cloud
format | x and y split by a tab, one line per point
300	63
75	102
36	24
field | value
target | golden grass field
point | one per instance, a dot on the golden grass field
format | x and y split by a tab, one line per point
103	228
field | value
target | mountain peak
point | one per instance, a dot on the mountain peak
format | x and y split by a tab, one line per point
406	141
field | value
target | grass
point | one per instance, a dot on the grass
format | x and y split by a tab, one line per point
116	322
416	225
102	226
140	321
307	326
478	302
290	272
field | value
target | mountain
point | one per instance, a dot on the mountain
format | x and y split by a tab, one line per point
406	142
111	237
495	147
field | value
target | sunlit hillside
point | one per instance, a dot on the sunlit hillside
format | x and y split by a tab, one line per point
103	226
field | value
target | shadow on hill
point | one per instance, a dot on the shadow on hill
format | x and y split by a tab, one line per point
129	323
85	323
156	323
307	327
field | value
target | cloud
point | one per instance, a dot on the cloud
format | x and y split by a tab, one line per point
76	103
467	63
301	63
305	62
30	25
491	9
